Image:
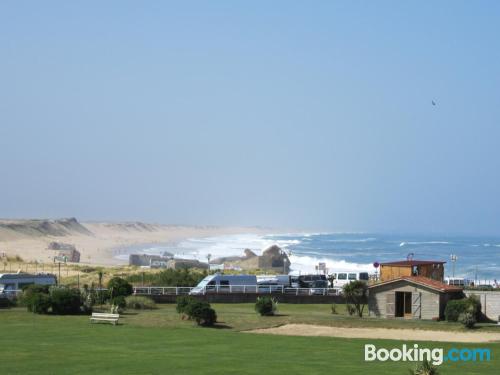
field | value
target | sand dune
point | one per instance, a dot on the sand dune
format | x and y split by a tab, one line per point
96	241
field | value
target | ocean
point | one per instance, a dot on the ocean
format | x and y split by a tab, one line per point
477	257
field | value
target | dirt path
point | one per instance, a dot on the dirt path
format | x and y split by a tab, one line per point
380	333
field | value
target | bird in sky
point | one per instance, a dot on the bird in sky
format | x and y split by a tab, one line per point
433	102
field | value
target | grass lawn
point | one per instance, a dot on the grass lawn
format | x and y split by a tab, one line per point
158	342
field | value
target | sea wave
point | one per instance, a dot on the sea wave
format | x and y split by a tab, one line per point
361	240
416	243
304	263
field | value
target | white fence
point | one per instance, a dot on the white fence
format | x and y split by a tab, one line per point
222	289
230	289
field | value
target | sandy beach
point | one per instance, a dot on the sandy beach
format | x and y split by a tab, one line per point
98	245
380	333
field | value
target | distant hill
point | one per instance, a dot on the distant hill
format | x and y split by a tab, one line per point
16	229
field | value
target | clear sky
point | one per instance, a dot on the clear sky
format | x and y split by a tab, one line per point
312	115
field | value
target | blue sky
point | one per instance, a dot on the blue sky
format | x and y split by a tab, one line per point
284	114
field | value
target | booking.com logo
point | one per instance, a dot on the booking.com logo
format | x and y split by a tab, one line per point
436	355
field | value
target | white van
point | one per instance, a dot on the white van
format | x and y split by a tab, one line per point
339	279
458	281
226	283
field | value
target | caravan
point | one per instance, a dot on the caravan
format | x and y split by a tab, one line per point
226	283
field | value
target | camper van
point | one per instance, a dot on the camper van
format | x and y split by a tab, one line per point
339	279
458	281
11	283
226	283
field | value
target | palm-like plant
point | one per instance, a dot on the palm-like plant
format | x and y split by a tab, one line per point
424	368
355	294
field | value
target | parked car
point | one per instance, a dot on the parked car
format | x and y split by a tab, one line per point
319	287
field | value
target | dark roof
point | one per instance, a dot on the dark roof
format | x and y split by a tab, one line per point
403	263
424	281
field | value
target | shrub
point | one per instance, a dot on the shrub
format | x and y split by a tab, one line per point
119	287
4	303
39	303
36	298
65	301
334	309
183	302
455	308
351	310
468	320
119	301
424	368
139	303
201	312
265	306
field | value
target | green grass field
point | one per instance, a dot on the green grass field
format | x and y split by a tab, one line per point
159	342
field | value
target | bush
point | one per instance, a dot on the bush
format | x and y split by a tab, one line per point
424	368
201	312
265	306
140	303
183	302
4	303
65	301
119	287
39	303
36	298
468	320
334	309
455	308
351	310
119	301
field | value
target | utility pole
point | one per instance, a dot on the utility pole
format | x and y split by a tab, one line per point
453	259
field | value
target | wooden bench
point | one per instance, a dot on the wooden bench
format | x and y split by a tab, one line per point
100	317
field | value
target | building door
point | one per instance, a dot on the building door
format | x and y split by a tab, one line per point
417	305
403	305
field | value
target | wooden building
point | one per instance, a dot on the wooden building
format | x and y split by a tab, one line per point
410	297
426	268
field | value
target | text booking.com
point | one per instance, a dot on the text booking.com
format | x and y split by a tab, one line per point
436	356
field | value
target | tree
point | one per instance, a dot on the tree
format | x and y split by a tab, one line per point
119	287
355	294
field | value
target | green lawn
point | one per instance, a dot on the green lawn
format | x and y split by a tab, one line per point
158	342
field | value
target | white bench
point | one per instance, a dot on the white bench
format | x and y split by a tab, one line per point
100	317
